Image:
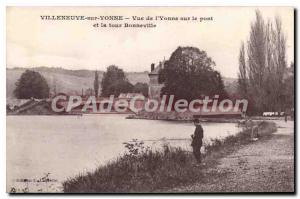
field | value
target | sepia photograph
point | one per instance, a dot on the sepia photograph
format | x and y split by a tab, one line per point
157	100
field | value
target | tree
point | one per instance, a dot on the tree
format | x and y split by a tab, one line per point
189	74
257	61
31	84
89	92
279	66
141	88
96	84
288	93
115	82
288	90
261	77
120	86
242	76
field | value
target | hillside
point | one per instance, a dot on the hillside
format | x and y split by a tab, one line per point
68	81
73	81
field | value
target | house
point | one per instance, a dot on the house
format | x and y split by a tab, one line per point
154	85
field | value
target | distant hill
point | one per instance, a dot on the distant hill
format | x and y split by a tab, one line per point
73	81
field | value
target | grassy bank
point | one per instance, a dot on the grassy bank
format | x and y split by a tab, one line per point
144	170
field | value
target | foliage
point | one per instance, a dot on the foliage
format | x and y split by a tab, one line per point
31	84
115	82
120	86
135	148
89	92
141	88
96	84
242	76
189	74
137	173
288	91
262	71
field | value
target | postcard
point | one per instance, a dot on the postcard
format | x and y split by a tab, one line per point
150	99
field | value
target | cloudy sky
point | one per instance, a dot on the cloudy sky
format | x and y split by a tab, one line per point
78	45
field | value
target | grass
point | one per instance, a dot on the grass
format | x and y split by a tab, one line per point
143	170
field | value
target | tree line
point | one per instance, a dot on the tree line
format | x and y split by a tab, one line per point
264	77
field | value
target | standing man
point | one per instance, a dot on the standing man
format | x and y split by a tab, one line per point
285	117
197	140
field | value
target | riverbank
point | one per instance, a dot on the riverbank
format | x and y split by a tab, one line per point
266	165
153	171
186	117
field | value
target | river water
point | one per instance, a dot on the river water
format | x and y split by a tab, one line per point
68	145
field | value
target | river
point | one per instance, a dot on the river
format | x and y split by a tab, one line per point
68	145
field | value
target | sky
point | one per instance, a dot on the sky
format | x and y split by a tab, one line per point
75	45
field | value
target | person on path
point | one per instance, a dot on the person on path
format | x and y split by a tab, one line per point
197	140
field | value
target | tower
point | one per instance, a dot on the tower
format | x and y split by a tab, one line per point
154	85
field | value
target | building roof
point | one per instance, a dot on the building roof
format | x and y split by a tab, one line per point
157	68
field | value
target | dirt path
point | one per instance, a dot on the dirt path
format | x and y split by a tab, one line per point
267	165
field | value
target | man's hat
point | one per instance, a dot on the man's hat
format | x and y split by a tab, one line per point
196	120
